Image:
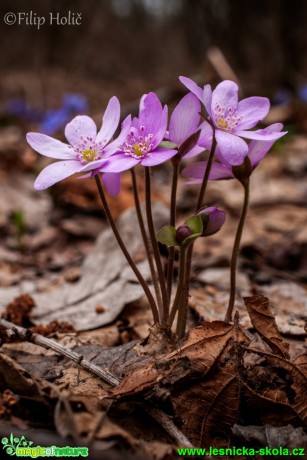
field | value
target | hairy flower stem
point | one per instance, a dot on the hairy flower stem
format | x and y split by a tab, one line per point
146	241
204	184
181	281
188	266
151	228
171	254
122	246
235	252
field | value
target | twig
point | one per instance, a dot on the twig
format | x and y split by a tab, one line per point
29	336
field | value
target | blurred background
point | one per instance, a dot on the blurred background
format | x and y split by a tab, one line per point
128	47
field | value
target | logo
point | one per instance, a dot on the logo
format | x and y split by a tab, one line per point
11	444
21	447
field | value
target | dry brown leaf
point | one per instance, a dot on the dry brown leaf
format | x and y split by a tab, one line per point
106	280
264	322
294	394
197	355
203	370
35	396
209	407
301	362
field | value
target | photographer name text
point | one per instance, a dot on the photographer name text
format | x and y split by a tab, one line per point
30	18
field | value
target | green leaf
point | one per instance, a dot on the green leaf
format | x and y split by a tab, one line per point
167	235
191	239
168	145
195	223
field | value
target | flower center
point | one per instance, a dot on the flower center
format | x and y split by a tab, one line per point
137	145
226	118
137	150
88	150
89	155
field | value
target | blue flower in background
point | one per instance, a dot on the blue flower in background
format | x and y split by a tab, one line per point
75	102
302	92
282	96
55	120
19	109
50	121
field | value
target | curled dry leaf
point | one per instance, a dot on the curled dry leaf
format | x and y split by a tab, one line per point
263	320
292	393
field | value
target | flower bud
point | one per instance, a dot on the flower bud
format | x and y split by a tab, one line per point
182	232
213	219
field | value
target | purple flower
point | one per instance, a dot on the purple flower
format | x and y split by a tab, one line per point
222	169
184	122
142	142
87	148
232	119
213	219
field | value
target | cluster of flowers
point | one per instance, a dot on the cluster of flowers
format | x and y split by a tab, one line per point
204	120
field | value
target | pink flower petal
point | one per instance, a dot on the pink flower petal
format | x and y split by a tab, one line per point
197	171
207	98
205	138
252	109
185	119
55	173
160	132
50	147
112	182
232	147
110	121
158	156
258	149
81	125
150	113
194	152
193	87
113	147
260	135
225	95
118	162
92	165
220	158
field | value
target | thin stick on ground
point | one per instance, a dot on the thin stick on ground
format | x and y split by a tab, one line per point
104	374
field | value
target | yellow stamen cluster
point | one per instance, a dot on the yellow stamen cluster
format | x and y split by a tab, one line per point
89	155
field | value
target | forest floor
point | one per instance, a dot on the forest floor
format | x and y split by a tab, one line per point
62	274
